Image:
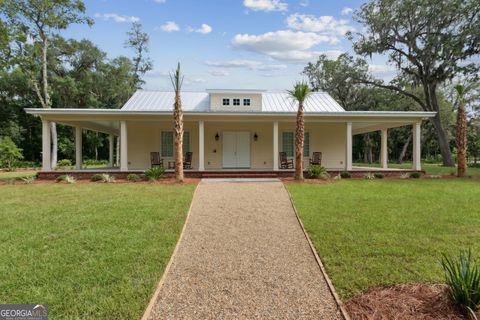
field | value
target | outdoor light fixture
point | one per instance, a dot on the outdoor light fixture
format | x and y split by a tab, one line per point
255	137
217	137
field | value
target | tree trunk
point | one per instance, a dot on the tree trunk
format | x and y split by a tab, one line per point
461	140
299	141
404	149
443	142
178	126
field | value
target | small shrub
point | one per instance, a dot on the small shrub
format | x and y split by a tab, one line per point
345	175
108	178
28	180
369	176
132	177
93	162
96	177
462	275
154	173
435	176
61	178
379	175
415	175
337	177
474	165
70	179
10	154
405	176
64	163
318	172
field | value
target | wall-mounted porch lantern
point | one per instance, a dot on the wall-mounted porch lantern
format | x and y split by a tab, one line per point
217	136
255	137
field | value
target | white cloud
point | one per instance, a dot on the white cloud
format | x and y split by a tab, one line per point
160	1
204	29
346	11
116	17
190	81
170	26
247	64
283	45
380	68
304	3
265	5
156	74
218	73
323	24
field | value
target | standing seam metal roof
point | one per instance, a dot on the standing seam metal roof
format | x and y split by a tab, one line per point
200	102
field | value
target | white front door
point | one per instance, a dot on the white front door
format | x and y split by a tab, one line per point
236	149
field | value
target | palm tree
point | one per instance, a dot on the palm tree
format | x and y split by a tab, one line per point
299	93
461	135
177	81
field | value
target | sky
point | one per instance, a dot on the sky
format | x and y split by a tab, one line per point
227	44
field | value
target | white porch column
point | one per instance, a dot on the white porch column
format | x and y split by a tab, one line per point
111	144
416	146
123	146
349	146
275	146
384	149
46	146
201	145
78	148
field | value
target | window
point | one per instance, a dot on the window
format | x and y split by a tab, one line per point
246	102
288	144
236	102
167	144
226	102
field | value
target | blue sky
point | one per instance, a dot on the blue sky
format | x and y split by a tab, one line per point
262	44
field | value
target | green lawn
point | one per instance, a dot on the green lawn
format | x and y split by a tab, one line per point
430	168
371	233
13	175
88	251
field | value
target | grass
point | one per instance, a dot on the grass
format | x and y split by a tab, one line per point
430	168
373	233
88	251
14	175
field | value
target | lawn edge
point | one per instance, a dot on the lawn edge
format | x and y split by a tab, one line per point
336	297
156	294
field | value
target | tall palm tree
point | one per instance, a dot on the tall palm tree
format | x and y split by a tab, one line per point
299	93
461	135
177	81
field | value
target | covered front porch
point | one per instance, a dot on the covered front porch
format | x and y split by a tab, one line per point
230	143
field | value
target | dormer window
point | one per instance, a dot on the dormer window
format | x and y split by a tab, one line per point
236	102
226	102
246	102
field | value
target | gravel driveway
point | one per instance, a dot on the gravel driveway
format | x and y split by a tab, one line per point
243	255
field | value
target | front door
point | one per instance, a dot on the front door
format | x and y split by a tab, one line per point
236	150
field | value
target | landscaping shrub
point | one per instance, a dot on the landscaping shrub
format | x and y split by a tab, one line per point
28	180
474	165
9	153
415	175
66	178
26	164
64	163
369	176
61	178
318	172
93	162
405	176
132	177
96	177
378	175
154	173
108	178
462	275
345	175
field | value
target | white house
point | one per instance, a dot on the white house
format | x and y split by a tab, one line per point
228	130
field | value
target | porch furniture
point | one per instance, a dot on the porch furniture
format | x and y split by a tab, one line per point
155	160
187	161
171	164
316	159
285	163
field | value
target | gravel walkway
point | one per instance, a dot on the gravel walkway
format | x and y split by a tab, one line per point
243	255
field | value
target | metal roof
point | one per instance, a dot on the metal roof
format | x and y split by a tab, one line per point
272	102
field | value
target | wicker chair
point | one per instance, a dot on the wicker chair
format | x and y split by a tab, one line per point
316	159
285	163
155	160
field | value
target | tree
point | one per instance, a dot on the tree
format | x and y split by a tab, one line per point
300	93
138	42
429	41
9	153
39	21
461	134
177	81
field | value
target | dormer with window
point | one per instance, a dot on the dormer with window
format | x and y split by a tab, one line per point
235	100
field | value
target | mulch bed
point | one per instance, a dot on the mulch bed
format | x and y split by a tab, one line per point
404	301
